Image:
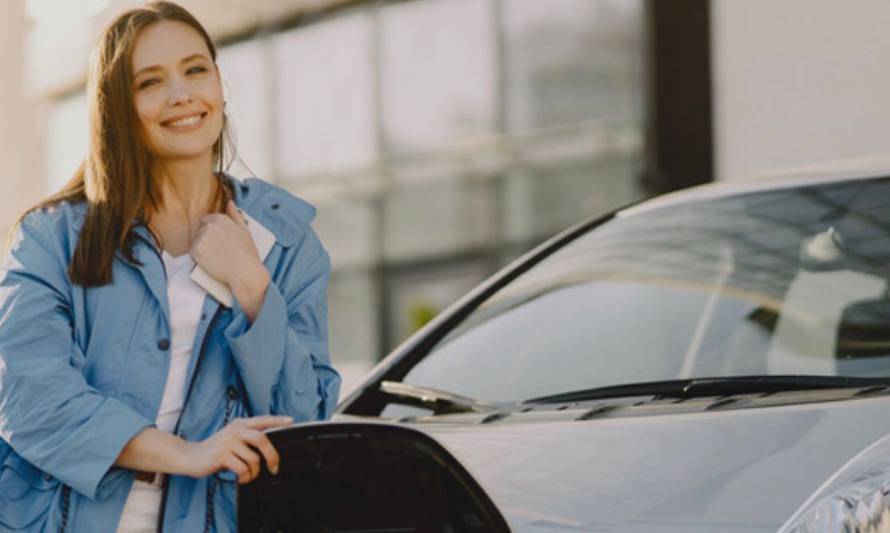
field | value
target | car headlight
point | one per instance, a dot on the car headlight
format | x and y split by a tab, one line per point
855	499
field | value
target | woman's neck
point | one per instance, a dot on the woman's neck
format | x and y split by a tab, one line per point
187	188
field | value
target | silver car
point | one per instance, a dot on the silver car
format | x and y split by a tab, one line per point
712	360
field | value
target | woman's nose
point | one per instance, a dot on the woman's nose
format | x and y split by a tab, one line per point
179	93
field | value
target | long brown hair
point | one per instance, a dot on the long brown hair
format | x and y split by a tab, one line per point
115	179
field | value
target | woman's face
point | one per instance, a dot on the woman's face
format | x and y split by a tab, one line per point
177	91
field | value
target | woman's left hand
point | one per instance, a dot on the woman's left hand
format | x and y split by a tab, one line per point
224	249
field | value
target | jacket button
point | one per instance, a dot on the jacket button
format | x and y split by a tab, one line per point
47	477
163	344
231	392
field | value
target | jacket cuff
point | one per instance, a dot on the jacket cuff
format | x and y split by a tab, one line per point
259	348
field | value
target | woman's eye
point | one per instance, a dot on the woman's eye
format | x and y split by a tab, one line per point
195	70
148	83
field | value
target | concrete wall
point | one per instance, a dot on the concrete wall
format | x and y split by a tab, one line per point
798	82
19	185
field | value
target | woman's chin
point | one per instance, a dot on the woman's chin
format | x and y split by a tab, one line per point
185	153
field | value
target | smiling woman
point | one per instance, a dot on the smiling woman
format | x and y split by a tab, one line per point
190	83
154	68
128	395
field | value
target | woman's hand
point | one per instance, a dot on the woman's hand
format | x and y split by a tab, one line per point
224	249
238	447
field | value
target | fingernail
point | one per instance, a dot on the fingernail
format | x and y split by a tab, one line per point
275	471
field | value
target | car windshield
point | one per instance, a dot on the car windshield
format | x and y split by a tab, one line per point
789	281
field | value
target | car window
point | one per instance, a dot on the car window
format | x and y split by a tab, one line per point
783	282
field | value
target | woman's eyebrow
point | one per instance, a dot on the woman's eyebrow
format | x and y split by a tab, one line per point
158	67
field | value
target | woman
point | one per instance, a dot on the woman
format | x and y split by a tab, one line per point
130	400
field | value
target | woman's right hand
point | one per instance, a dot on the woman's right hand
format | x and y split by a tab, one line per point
237	447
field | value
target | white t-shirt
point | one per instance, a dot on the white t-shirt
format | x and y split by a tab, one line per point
186	300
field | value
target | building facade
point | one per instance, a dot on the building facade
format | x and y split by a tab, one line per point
439	139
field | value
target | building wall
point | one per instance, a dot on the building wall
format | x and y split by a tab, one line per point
798	82
20	181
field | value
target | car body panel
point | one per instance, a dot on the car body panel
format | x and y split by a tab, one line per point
365	476
739	470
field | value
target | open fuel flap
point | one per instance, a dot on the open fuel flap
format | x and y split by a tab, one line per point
364	477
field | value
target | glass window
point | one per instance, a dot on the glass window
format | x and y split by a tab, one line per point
782	282
540	202
247	91
438	218
325	96
417	297
352	325
438	72
67	139
348	229
572	60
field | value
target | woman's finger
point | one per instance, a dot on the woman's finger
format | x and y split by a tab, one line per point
261	443
238	421
233	212
268	422
249	457
236	466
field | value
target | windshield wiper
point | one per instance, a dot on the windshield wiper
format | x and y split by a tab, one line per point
442	402
714	386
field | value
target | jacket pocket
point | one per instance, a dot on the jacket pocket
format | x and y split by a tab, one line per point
26	493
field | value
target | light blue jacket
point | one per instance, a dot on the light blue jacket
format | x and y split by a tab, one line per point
82	371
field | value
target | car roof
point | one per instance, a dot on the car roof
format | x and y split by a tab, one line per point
828	172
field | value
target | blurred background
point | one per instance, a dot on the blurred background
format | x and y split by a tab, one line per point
441	139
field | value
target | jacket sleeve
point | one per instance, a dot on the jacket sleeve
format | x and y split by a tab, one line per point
49	414
283	356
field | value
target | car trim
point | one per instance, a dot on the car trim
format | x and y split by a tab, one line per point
752	185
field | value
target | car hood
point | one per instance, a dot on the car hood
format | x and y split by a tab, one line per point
734	470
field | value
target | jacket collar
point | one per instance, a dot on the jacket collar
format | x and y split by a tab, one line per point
285	215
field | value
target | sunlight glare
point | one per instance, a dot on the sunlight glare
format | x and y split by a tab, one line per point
54	12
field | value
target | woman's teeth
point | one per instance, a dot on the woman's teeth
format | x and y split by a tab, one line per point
187	121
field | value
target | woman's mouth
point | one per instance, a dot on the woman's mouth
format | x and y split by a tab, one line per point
185	124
